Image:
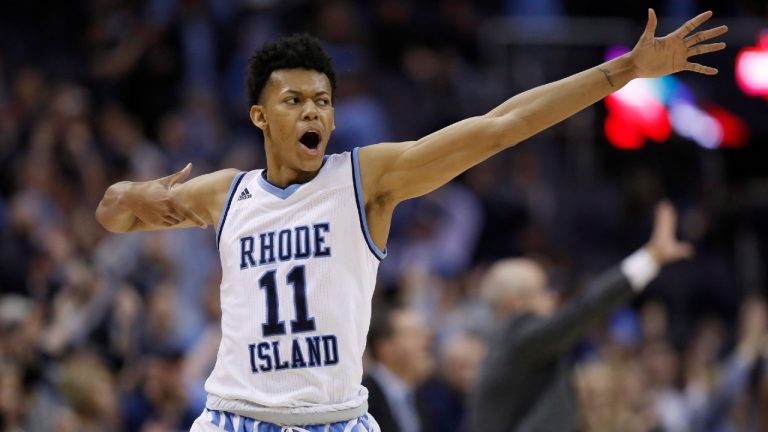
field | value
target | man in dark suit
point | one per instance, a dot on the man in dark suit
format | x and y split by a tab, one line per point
525	380
399	344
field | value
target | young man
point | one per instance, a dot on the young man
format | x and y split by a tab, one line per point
297	274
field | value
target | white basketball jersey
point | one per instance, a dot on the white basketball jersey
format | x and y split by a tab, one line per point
298	274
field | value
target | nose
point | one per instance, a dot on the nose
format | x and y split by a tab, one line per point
309	112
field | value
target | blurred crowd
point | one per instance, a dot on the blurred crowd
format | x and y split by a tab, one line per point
118	332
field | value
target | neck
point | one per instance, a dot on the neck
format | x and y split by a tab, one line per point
280	174
283	176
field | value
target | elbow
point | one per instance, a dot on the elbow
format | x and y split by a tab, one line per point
108	215
103	220
506	131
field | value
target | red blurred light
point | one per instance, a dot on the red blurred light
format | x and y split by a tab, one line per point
735	130
621	134
627	126
752	68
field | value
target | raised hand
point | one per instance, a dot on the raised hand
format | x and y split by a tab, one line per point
664	245
158	207
654	57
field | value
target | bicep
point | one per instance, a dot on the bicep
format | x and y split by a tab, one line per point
399	171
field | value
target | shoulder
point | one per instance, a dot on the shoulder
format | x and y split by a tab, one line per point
377	165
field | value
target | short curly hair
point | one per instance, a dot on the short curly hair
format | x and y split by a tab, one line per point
300	51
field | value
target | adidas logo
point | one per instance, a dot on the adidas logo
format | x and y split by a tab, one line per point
244	195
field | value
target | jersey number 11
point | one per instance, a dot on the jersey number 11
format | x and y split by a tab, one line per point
303	322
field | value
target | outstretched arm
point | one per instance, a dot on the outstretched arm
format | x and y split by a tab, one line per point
394	172
164	203
551	336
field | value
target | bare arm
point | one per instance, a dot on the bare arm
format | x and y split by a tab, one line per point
165	203
394	172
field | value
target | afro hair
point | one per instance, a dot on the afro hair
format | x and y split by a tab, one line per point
300	51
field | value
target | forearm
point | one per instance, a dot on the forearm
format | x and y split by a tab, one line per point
549	104
594	304
733	380
113	212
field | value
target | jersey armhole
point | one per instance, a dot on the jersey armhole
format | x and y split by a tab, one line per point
227	203
358	185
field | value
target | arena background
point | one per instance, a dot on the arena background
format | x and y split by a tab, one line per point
118	332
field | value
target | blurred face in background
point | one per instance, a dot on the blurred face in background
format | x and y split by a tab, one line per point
164	383
543	301
89	388
662	364
406	352
519	285
461	361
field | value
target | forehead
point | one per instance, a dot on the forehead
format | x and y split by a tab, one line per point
303	80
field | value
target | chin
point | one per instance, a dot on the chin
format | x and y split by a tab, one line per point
313	163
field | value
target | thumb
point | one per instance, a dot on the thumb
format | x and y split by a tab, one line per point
650	27
685	251
180	176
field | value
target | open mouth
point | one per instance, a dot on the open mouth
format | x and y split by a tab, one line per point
310	140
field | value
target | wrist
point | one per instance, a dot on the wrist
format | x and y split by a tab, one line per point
655	254
631	64
622	70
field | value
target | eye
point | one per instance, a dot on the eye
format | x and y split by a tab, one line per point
293	100
324	102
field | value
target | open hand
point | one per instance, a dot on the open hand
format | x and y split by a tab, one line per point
654	57
664	246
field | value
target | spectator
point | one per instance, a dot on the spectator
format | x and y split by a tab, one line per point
399	345
526	375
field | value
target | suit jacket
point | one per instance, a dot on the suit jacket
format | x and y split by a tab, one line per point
379	408
524	383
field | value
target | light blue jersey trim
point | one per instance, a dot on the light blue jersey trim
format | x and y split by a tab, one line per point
276	191
227	204
361	424
361	206
280	192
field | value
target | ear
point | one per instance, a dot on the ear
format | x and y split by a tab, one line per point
258	116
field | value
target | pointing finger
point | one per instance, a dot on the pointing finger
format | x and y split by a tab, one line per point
189	214
171	220
691	25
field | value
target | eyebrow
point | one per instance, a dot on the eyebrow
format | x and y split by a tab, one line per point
299	92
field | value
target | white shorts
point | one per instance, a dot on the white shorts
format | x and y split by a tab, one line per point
214	421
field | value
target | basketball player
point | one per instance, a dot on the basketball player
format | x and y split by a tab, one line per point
300	241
